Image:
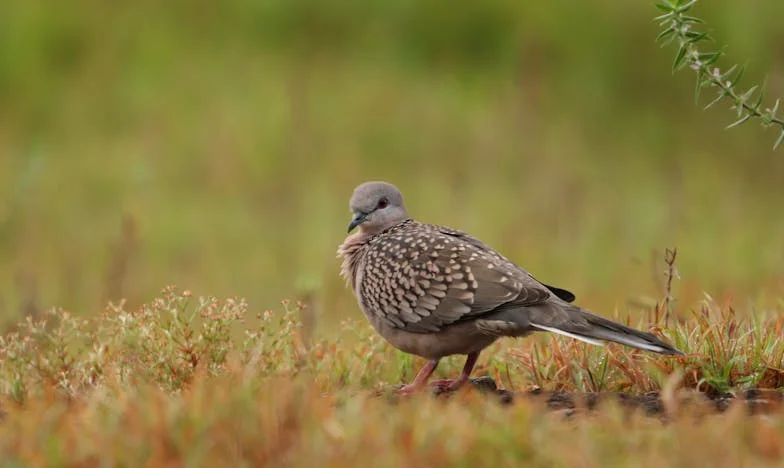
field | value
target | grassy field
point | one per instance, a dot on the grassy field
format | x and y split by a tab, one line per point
192	382
214	147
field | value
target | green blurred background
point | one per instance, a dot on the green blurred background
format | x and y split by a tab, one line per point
214	145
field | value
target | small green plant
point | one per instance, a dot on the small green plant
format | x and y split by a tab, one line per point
680	27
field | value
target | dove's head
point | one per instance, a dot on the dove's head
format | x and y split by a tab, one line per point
376	206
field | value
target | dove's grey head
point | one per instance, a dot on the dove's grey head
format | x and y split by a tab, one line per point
376	206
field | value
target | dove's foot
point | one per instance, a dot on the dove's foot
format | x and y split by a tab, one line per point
409	389
439	386
420	381
448	385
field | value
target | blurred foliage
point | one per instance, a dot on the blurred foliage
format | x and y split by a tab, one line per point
168	385
214	145
175	341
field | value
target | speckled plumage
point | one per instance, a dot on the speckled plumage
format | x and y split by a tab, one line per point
421	277
434	291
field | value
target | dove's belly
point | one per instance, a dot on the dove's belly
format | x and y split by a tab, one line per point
460	338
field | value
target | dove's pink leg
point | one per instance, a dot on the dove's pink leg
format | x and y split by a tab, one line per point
421	378
464	376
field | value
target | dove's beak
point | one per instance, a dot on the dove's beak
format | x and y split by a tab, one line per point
358	219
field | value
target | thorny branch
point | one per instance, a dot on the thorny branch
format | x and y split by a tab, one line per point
679	28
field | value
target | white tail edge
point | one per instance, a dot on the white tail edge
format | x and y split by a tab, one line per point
637	344
570	335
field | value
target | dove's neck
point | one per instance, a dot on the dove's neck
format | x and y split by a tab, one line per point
351	250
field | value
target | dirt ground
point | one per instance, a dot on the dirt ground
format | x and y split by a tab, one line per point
654	404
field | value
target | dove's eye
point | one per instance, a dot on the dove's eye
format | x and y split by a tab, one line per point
382	203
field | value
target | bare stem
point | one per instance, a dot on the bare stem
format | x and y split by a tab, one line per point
672	271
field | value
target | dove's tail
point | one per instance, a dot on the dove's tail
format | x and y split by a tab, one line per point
582	325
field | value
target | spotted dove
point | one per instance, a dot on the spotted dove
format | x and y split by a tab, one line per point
434	291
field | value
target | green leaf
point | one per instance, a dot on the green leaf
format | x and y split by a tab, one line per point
775	108
738	76
739	106
722	94
685	7
758	103
665	33
738	122
745	96
664	7
725	76
761	96
694	36
679	57
709	58
692	19
707	82
779	140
